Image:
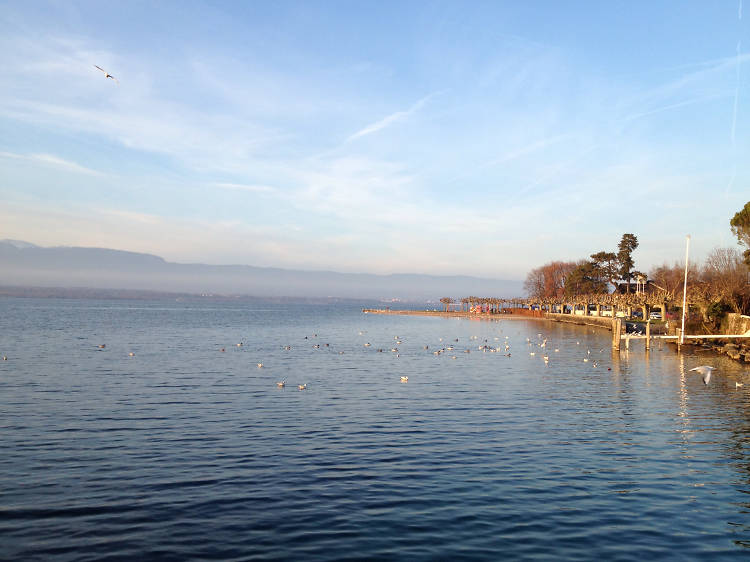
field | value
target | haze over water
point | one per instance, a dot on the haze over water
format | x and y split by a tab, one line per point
185	451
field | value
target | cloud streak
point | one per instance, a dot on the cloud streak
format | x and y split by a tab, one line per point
391	119
253	188
53	161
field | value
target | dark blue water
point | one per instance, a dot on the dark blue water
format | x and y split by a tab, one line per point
184	451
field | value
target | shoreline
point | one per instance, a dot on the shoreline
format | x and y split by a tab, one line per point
738	351
452	314
596	321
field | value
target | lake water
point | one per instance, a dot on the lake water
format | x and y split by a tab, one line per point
186	451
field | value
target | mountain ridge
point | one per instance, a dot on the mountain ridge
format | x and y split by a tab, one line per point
26	264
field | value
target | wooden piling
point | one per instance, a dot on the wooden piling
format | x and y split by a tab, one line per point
648	335
616	333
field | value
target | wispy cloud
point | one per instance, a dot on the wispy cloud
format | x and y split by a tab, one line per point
54	161
677	105
704	80
391	119
526	150
555	171
245	187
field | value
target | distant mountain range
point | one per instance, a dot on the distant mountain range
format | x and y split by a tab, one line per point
23	264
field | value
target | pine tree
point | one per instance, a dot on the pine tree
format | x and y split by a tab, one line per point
625	248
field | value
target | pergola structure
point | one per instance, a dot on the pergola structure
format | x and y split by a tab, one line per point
595	304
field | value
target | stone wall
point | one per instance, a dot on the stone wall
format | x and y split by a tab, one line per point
602	322
737	324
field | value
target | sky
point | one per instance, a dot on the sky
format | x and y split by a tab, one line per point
447	138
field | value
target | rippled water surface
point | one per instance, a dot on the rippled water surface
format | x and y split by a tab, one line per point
183	450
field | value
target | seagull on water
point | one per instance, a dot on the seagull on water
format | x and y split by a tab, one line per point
704	370
107	74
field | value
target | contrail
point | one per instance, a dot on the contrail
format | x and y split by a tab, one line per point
734	111
736	89
393	118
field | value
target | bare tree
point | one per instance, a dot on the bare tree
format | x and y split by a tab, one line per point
671	278
726	272
548	280
533	286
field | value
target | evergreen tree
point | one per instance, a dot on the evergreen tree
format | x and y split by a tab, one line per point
625	248
606	266
584	279
741	229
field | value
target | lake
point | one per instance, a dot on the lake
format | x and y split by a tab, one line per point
188	449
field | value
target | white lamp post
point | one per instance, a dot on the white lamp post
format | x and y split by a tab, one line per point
684	290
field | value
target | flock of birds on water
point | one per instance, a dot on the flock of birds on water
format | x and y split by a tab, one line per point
449	347
502	348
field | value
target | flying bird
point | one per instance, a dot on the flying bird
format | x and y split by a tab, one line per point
704	370
107	74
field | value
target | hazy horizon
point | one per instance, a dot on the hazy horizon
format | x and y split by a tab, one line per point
27	244
29	265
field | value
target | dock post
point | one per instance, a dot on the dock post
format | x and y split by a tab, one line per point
678	334
648	335
616	333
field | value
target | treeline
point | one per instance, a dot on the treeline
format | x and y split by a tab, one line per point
592	276
720	284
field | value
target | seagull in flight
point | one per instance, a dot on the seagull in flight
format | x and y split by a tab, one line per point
107	74
704	370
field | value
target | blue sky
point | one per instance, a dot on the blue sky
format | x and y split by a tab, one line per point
385	137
